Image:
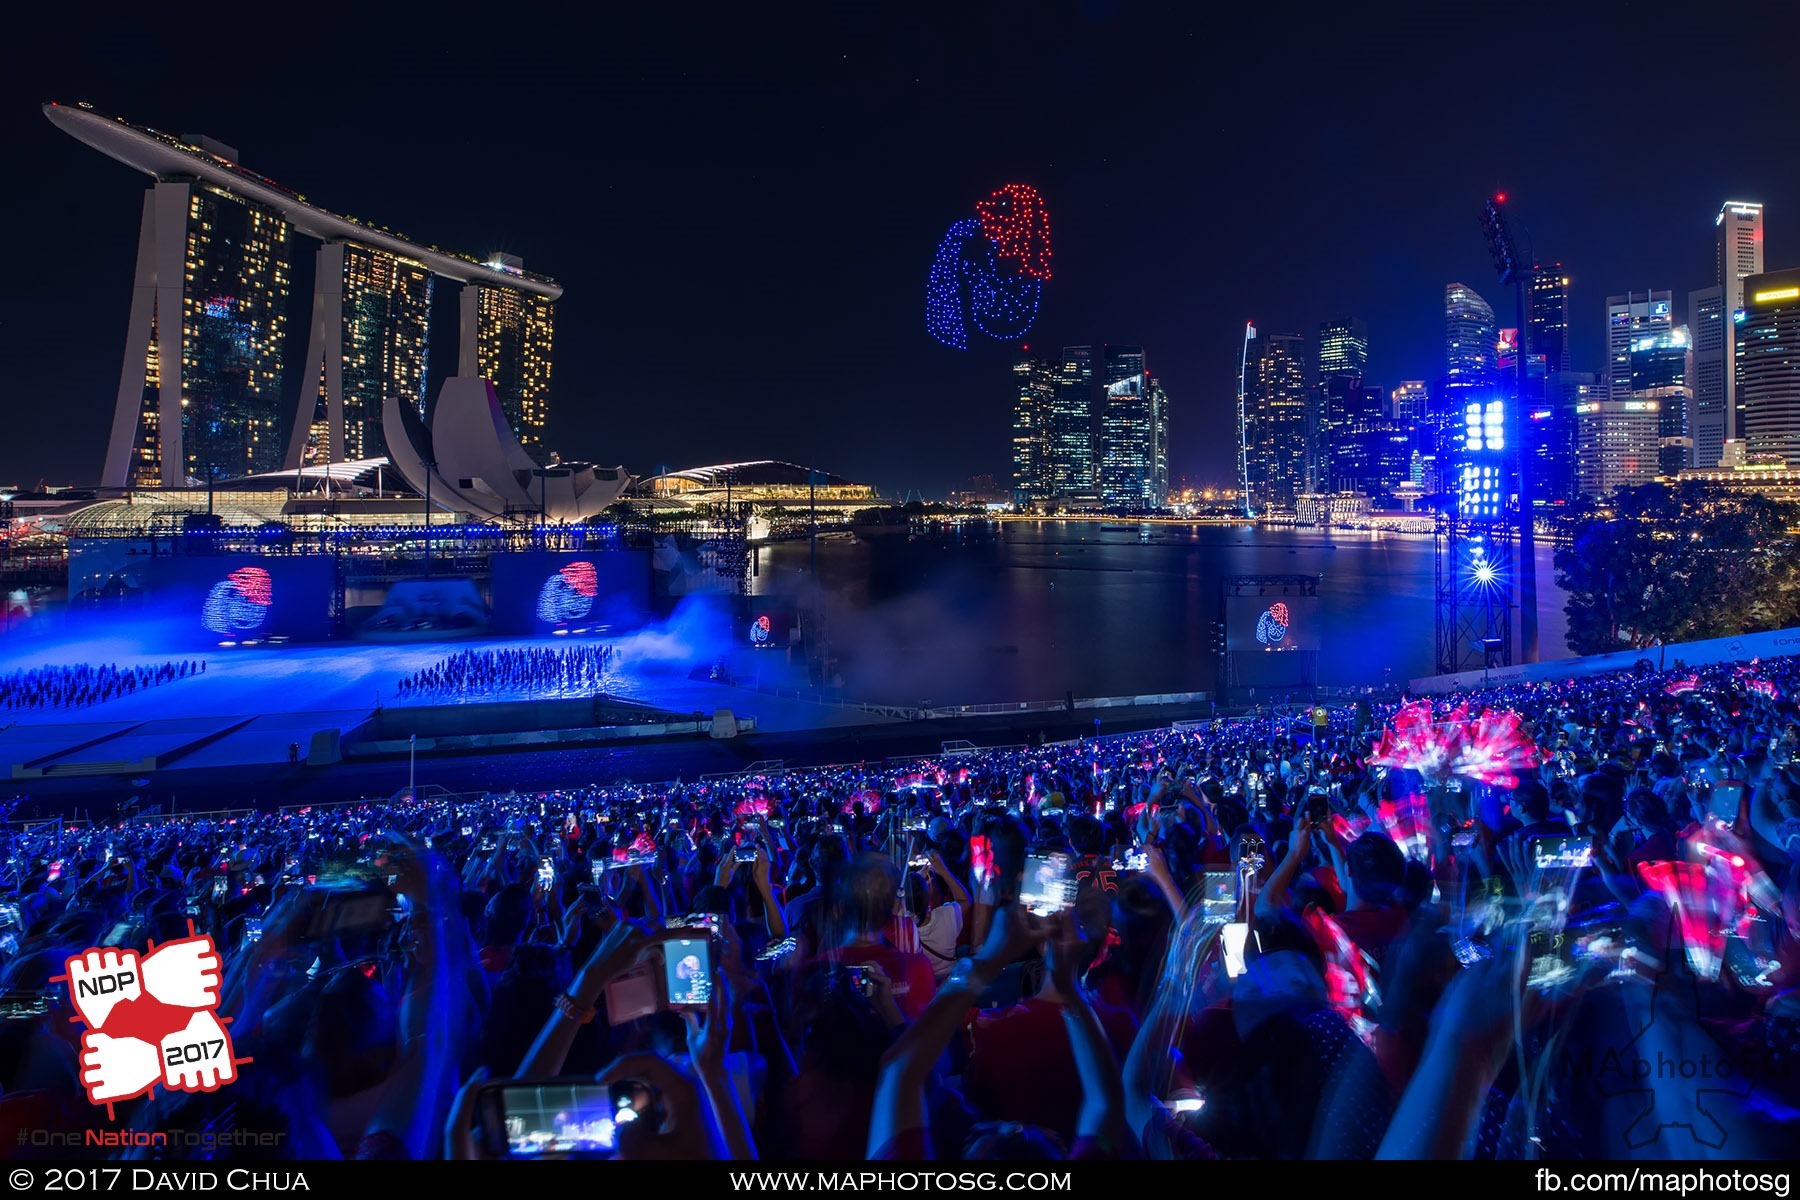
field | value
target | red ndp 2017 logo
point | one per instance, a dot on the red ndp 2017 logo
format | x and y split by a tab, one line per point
150	1019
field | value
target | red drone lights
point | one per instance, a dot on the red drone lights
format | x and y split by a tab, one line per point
989	271
1014	219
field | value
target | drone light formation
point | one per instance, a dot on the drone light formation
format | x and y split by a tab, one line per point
989	270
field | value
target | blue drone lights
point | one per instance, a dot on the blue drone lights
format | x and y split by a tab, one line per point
990	272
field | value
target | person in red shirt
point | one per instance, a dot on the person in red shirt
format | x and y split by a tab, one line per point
1021	1065
862	904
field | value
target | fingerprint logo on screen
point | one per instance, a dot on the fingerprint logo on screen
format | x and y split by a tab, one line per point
239	603
1272	626
569	594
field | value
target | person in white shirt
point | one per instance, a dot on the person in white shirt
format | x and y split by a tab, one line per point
939	903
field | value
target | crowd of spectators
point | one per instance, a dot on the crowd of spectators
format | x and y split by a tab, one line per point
82	684
579	669
1236	939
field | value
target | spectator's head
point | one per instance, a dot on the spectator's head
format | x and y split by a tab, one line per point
1532	801
1377	869
1086	835
863	896
351	1041
508	914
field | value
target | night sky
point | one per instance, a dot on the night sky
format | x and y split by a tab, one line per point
742	200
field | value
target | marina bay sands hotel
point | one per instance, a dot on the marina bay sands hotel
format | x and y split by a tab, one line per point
209	390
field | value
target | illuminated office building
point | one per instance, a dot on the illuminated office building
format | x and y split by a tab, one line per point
212	281
1718	413
1409	401
1547	321
1471	338
1630	319
1618	444
1274	432
1768	366
1034	392
1336	390
1660	368
1134	469
1071	425
1343	347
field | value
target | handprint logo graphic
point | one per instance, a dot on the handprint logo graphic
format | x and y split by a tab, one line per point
151	1019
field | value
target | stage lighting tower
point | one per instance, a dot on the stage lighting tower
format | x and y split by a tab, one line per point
1515	269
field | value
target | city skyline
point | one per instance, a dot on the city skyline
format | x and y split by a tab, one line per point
690	231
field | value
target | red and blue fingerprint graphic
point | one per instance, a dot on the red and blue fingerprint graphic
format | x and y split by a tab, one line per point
569	594
990	269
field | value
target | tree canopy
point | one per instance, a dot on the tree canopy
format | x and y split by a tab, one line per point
1659	564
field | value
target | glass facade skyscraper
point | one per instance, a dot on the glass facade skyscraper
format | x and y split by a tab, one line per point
514	336
1630	319
1547	321
1072	425
1768	365
1034	399
1134	468
232	325
1471	337
1343	347
387	331
1274	436
1343	359
1660	368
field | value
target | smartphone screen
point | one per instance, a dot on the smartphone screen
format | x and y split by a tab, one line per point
1232	938
1049	884
598	869
220	884
1570	852
1726	795
687	972
546	874
537	1119
1218	897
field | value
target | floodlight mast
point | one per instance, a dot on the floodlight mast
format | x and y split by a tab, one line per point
1514	270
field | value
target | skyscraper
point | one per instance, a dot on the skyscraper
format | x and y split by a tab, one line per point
1718	413
1072	425
200	394
507	338
1713	385
1618	444
1660	368
1768	365
1629	319
206	389
1343	347
1547	321
1134	467
371	327
1408	401
1034	387
1274	408
1337	387
1471	337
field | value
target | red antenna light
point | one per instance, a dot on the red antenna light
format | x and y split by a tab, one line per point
1500	199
